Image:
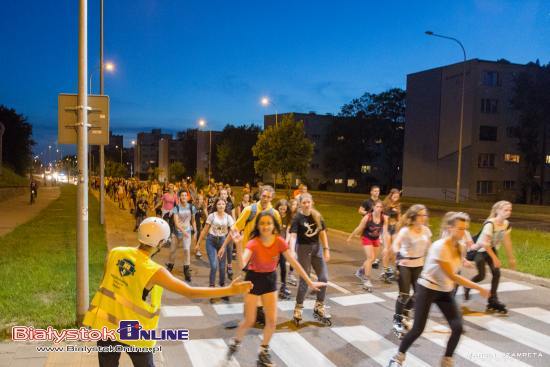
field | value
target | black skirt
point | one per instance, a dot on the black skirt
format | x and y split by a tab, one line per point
262	282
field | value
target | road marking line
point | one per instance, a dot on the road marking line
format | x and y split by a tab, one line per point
470	349
511	330
503	287
181	311
536	313
357	299
338	288
289	305
229	309
208	352
374	345
294	350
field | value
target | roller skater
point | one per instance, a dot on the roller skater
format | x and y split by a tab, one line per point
495	306
392	209
436	285
372	226
298	312
320	313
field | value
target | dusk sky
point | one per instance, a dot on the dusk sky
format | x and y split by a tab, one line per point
178	61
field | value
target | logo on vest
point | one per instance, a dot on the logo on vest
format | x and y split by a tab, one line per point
132	330
126	267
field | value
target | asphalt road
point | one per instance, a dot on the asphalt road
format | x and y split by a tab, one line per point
361	331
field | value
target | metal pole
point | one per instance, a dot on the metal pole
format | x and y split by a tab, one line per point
101	147
210	156
82	286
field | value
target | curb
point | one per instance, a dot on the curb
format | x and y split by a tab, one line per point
512	274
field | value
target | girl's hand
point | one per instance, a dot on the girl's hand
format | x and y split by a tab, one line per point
484	293
236	236
497	263
348	240
239	287
315	286
512	263
326	254
221	251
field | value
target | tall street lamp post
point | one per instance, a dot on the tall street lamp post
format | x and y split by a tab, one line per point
459	168
202	124
265	101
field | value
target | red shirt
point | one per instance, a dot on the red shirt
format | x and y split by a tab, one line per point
265	259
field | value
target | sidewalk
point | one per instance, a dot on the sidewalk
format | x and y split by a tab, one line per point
18	210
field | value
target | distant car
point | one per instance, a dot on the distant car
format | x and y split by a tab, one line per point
61	177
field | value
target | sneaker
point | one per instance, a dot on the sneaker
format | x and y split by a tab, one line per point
198	254
360	273
264	358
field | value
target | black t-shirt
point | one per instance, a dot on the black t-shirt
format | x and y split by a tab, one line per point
210	200
368	204
306	229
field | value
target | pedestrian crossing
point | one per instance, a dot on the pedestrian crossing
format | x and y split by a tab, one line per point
488	341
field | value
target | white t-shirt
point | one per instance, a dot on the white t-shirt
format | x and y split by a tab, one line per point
414	246
493	233
219	226
432	275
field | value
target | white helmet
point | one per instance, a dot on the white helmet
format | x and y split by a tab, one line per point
153	232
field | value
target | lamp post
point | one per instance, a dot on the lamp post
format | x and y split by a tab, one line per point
117	147
265	101
202	123
109	66
459	168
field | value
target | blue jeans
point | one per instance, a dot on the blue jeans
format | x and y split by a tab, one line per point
213	244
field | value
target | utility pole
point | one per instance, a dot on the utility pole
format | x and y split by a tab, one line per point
82	286
101	147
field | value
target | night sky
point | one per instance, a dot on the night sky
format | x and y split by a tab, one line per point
178	61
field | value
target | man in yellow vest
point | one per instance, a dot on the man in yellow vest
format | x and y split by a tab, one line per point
131	289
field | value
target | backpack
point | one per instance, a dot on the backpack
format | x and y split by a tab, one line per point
254	211
470	254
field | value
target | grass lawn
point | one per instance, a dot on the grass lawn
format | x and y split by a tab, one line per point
38	266
10	178
531	248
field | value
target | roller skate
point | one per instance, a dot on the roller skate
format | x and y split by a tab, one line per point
169	267
360	273
198	254
264	358
297	316
284	293
397	360
398	328
367	285
187	273
230	273
233	348
495	306
292	280
447	362
376	264
260	316
386	277
320	314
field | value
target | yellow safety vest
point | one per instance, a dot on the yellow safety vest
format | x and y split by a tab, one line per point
119	297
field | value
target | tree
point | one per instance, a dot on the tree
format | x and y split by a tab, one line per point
115	169
17	140
234	161
388	105
283	149
532	101
177	171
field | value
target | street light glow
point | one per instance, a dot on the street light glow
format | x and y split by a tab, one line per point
202	123
133	142
109	66
265	101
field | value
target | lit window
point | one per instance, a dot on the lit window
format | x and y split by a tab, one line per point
338	181
352	182
340	138
548	159
511	158
378	141
366	168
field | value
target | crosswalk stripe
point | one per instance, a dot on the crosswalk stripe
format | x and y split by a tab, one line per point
357	299
289	305
503	287
374	345
294	351
519	333
208	352
181	311
470	349
536	313
229	308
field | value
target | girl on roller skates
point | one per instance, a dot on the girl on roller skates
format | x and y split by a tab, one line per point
436	285
308	236
284	211
392	209
262	254
372	226
410	247
495	231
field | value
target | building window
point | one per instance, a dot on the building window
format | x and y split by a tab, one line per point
488	133
366	168
378	141
547	159
489	105
486	160
352	182
508	185
338	181
340	138
490	78
511	131
511	158
484	187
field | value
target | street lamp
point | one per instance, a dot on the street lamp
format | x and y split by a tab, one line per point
202	124
265	101
459	168
109	66
117	147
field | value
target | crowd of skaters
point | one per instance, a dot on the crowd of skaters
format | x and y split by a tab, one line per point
260	238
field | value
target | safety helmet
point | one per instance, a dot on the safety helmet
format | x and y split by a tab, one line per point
153	232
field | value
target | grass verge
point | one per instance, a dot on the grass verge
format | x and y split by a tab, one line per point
531	248
38	266
10	178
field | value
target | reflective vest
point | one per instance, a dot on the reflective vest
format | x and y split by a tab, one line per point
119	297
